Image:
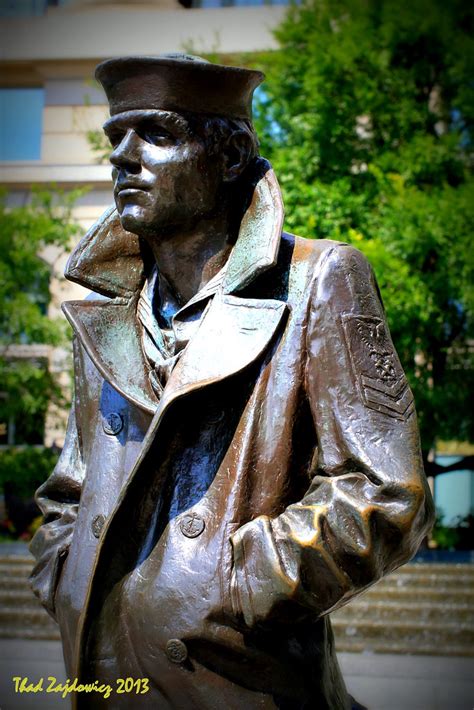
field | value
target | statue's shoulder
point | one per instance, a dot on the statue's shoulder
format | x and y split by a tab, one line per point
335	253
313	250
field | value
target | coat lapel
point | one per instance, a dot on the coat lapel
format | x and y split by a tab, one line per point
256	249
109	332
233	333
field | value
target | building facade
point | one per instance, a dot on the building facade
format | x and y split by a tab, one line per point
50	104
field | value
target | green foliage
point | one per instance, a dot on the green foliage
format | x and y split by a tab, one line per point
26	233
26	469
28	387
446	538
367	118
99	145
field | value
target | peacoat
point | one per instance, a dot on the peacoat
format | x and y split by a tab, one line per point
202	538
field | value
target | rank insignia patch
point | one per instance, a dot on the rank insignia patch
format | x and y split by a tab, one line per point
379	375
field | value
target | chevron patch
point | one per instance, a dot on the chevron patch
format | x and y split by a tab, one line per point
379	375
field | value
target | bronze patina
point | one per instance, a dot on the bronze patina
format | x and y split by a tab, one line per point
242	456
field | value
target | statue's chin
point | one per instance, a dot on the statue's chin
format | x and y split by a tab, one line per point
129	224
135	223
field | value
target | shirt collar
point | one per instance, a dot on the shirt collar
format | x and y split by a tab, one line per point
208	290
152	289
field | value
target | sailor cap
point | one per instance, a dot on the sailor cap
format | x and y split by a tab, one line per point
178	82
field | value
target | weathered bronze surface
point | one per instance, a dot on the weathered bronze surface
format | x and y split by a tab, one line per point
242	456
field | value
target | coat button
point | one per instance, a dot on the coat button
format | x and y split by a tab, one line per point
97	525
192	525
176	651
112	423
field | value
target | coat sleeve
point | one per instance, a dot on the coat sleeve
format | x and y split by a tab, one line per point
368	506
58	499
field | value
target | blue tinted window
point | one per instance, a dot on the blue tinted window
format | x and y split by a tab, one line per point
18	8
234	3
21	115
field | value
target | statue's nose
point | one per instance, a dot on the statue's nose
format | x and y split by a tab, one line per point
127	153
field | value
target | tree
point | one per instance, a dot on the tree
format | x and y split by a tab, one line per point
27	385
367	117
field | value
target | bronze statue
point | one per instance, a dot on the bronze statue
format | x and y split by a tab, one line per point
242	456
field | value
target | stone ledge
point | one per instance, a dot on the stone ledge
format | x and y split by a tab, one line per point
18	174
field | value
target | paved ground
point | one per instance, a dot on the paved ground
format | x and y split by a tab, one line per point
380	681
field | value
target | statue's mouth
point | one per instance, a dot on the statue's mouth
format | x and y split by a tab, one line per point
130	191
125	186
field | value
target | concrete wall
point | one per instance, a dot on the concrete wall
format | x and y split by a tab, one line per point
100	32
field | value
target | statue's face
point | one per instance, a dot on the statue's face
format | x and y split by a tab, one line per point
163	177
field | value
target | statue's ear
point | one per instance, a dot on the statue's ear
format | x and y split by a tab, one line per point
237	152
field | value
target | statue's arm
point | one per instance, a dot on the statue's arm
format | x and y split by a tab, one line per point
58	500
368	506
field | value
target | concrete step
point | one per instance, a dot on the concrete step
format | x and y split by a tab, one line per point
434	568
17	559
410	633
441	581
28	617
422	611
430	594
368	646
13	583
15	570
49	633
19	598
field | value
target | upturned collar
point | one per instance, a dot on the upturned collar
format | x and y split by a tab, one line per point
111	261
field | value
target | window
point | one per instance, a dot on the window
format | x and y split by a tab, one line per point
21	115
231	3
22	8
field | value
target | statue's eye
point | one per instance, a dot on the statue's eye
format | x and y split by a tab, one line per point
156	135
115	137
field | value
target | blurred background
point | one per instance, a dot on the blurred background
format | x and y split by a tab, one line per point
366	114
